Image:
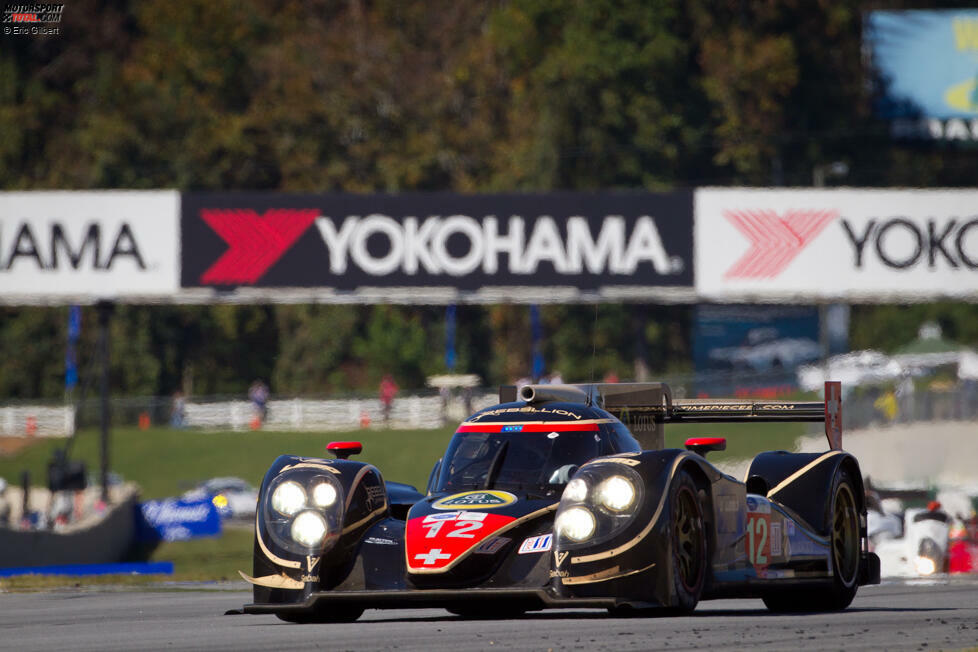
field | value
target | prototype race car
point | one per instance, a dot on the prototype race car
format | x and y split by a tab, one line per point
549	500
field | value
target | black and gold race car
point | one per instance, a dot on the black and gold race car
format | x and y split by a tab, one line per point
564	496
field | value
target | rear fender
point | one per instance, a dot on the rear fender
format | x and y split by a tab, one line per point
802	482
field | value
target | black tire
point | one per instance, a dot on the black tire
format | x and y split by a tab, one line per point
334	614
845	550
688	539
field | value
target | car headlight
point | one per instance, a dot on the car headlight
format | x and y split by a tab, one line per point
288	498
576	523
926	566
575	491
324	494
309	529
617	493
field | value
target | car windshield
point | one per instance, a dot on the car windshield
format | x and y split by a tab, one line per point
528	461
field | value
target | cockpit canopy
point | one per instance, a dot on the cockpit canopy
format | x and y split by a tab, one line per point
531	450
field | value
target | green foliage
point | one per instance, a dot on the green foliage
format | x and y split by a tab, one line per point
887	328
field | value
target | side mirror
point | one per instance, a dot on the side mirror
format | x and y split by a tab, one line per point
703	445
344	449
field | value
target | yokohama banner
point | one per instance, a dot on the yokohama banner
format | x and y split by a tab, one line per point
84	246
439	247
855	245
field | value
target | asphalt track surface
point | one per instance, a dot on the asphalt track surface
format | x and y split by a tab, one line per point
941	614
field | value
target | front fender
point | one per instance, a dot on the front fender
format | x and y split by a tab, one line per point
361	502
635	564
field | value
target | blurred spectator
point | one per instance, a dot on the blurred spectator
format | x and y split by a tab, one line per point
388	390
258	395
4	505
556	378
887	405
178	411
905	397
467	399
611	377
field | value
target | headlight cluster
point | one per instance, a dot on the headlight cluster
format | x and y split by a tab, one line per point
597	503
303	509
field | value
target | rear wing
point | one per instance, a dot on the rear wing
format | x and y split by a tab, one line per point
644	406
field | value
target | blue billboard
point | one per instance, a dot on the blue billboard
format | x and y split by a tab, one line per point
926	62
177	519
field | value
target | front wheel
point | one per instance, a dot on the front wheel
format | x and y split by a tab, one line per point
844	543
688	542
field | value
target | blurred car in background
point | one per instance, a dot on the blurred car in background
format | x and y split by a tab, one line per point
963	547
922	550
852	369
765	350
233	497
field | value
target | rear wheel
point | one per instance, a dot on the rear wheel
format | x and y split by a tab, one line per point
688	542
844	543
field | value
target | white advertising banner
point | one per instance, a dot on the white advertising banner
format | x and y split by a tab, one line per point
839	244
83	246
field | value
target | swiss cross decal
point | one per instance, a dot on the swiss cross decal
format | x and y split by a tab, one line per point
436	541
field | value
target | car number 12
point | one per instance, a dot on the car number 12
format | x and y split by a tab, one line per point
757	539
462	529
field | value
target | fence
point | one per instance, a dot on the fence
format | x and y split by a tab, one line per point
863	407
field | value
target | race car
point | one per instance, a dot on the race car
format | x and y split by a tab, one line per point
565	496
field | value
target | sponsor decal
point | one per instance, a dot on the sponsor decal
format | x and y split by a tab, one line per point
491	546
89	244
485	499
540	543
255	242
856	243
527	408
775	239
559	557
177	520
53	249
901	243
758	505
775	539
435	541
468	242
380	541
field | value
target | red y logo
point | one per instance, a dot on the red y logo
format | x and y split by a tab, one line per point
255	242
775	241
